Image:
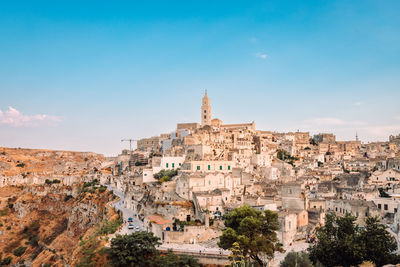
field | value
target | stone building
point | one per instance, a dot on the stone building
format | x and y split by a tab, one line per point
205	111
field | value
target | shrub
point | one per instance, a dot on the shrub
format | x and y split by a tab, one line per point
8	227
6	261
164	179
3	212
102	189
109	227
19	251
67	197
3	153
296	259
21	165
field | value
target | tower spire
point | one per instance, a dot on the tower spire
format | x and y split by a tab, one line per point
205	110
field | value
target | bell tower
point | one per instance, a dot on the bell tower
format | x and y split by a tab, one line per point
205	111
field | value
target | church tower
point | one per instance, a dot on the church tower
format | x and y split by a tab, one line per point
205	111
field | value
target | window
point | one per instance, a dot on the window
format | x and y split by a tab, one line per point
180	164
290	225
166	165
205	111
336	208
229	168
395	210
145	174
173	165
209	167
220	167
357	214
205	116
385	207
379	206
198	168
315	207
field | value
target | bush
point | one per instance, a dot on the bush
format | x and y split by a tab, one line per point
19	251
299	259
102	189
8	227
109	227
55	181
163	173
21	165
67	197
164	179
3	212
6	261
3	153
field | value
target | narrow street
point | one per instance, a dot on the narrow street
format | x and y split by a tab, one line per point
127	213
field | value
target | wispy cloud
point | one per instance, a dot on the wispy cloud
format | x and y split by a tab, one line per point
253	40
333	122
358	103
15	118
261	55
346	128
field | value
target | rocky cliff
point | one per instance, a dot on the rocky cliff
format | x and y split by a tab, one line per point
43	221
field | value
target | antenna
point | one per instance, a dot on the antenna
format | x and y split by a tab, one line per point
356	136
130	143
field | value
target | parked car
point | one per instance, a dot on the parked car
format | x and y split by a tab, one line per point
137	228
130	219
130	226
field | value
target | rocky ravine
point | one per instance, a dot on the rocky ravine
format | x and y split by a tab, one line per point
49	200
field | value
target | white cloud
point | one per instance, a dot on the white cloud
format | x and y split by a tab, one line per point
261	55
333	122
15	118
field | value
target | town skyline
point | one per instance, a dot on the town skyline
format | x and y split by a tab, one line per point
81	77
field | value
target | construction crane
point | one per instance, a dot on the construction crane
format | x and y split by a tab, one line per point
130	143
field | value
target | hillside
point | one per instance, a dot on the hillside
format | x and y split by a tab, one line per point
44	222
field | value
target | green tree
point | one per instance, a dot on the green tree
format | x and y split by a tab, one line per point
137	249
254	231
298	259
379	244
173	260
339	242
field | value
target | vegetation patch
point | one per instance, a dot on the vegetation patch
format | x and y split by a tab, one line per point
109	227
165	175
55	181
19	251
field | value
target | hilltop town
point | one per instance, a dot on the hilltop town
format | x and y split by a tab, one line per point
180	185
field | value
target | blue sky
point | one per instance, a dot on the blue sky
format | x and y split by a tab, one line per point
82	75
